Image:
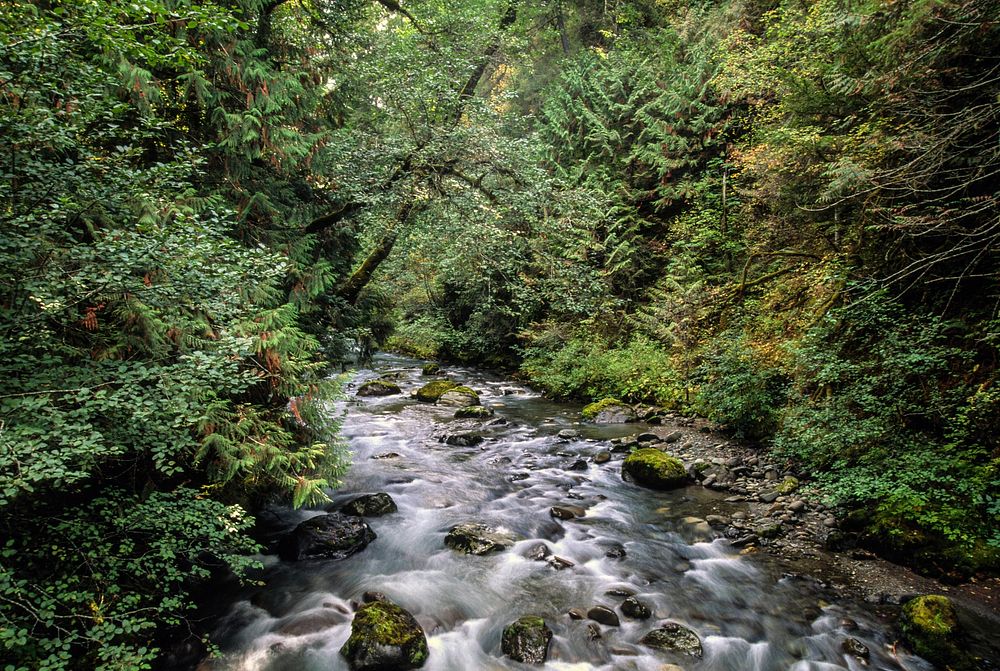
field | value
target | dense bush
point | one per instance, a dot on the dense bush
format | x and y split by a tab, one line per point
739	390
886	409
639	371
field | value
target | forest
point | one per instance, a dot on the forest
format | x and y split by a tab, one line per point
780	215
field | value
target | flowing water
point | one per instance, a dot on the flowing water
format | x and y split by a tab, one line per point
748	616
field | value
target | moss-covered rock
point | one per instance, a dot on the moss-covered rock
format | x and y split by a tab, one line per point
430	369
651	468
385	636
609	411
930	626
674	638
459	397
474	412
479	539
432	391
379	388
526	640
788	485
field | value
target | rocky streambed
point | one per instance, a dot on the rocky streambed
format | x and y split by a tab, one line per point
484	527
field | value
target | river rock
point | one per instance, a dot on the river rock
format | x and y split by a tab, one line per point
430	369
371	596
526	640
651	468
458	397
385	636
538	552
615	551
577	614
853	646
788	485
568	434
636	609
331	536
479	539
566	512
930	626
579	465
609	411
379	388
474	412
432	391
602	457
604	615
370	505
560	563
674	638
465	439
386	455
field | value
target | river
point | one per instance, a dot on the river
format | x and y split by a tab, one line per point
749	615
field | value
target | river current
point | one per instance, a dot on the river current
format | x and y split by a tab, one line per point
748	615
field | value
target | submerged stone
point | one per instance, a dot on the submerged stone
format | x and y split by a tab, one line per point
651	468
674	638
474	412
385	636
636	609
378	388
604	615
331	536
526	640
479	539
467	439
370	505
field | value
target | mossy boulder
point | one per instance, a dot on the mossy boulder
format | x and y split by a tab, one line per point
930	626
379	388
651	468
385	636
479	539
459	397
332	536
788	485
430	369
474	412
526	640
673	637
370	505
432	391
609	411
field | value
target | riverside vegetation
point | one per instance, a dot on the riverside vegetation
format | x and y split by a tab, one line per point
780	215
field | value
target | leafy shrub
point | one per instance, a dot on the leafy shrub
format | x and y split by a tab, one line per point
738	389
881	412
640	371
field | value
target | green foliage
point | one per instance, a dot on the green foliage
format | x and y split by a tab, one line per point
160	371
740	390
879	408
639	371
